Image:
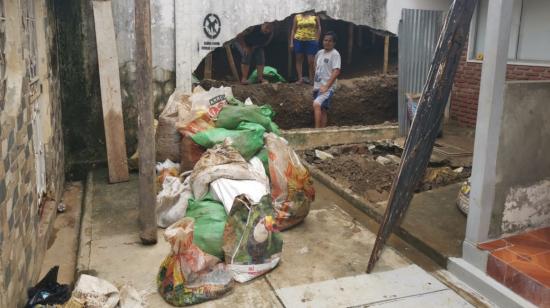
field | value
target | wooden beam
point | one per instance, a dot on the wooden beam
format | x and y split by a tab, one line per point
231	62
350	42
289	62
146	138
425	126
360	37
111	100
208	66
386	54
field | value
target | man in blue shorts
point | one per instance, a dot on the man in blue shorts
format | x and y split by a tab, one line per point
327	69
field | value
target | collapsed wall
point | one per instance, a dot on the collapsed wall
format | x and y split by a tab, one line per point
357	101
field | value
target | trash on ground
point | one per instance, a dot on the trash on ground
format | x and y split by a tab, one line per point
251	246
167	137
225	190
458	170
221	161
172	200
463	199
187	275
209	220
166	168
383	160
130	298
394	158
291	186
95	292
48	291
270	74
323	155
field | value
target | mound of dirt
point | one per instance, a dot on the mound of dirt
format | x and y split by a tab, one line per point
354	166
358	101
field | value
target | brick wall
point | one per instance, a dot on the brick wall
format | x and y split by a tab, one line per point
465	91
23	231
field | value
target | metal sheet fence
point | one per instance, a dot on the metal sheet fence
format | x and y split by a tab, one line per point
418	34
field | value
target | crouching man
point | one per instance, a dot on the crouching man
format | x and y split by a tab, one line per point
327	69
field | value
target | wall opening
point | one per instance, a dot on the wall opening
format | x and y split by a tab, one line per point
364	96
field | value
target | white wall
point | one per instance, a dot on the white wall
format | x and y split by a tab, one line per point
394	7
235	16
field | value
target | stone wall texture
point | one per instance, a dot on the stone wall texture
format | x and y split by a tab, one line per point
24	224
465	92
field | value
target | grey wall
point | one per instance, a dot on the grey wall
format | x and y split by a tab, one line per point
523	159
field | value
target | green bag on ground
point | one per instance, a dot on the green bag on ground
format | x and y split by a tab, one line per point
270	74
247	138
232	115
262	156
210	218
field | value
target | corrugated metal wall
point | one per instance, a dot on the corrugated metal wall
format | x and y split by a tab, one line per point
418	35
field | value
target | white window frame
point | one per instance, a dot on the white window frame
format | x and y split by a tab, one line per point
470	57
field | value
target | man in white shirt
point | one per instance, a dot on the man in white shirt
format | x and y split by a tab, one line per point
327	69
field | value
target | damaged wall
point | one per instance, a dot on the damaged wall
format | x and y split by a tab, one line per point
30	122
522	160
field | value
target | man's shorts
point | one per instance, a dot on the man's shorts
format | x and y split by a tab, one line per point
323	99
306	47
257	55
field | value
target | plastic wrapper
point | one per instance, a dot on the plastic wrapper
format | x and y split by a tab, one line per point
291	186
225	190
172	201
252	246
187	275
221	161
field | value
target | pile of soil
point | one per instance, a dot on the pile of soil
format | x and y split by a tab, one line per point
354	166
357	101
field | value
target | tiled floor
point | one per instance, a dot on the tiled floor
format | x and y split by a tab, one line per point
522	263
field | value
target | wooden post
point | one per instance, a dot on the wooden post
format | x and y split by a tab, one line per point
231	62
146	138
350	43
425	126
386	54
208	66
111	100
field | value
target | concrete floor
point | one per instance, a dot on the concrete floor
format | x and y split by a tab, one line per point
328	245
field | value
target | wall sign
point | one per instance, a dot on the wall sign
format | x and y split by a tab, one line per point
211	26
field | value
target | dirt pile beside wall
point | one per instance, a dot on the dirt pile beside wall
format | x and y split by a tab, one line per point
357	101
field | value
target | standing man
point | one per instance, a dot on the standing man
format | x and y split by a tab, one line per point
327	69
250	45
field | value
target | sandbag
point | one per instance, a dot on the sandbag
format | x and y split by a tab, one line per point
232	115
251	245
95	292
221	161
463	198
291	186
187	275
164	169
172	201
247	138
167	137
190	152
225	190
270	74
210	218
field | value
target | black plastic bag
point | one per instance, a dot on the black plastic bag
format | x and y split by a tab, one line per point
48	291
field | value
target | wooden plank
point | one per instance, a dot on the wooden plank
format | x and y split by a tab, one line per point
231	62
386	54
111	100
425	126
146	135
208	66
350	43
289	62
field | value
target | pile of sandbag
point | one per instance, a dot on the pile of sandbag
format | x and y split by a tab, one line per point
241	184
